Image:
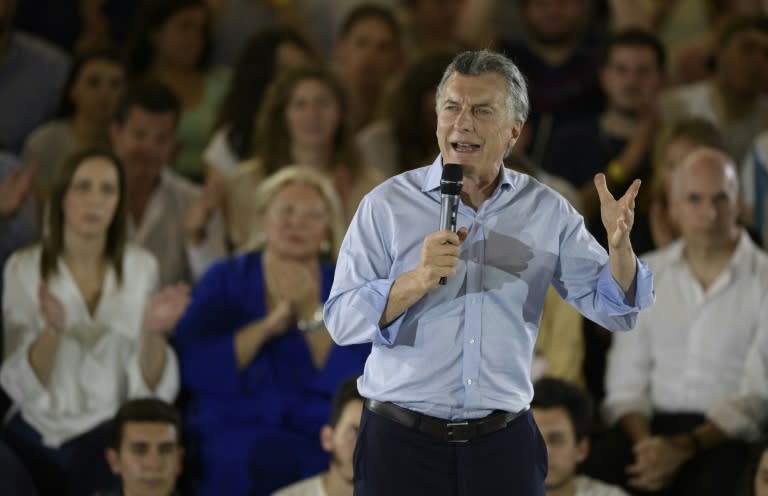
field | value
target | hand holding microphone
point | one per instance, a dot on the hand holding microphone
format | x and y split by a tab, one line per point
440	250
451	183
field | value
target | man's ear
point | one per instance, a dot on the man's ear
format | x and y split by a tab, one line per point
113	459
326	438
582	448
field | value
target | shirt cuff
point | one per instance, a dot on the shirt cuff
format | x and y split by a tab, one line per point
613	296
371	301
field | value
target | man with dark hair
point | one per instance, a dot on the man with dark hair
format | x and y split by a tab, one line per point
733	100
145	448
447	383
168	215
338	438
368	52
617	141
563	413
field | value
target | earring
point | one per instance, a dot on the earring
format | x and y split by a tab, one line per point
325	247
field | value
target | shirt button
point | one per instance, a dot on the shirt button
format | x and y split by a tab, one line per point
474	259
469	382
471	341
473	300
466	414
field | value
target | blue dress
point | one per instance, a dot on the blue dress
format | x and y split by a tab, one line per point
254	430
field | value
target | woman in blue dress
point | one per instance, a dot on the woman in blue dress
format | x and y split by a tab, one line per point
257	364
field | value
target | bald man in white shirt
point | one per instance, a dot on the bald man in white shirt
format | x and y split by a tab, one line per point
665	380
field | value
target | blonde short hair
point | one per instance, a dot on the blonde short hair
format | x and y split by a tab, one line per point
272	185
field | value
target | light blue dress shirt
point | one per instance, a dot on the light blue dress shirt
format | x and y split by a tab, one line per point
465	349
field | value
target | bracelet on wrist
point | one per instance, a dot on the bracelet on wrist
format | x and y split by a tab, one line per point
312	324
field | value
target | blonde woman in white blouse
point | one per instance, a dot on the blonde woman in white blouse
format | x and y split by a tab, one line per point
83	332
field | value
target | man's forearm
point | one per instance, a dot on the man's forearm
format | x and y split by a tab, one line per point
624	269
406	290
152	350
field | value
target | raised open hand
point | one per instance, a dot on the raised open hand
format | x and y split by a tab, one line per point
166	308
51	308
618	215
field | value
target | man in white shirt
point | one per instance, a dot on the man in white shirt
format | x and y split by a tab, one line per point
168	215
338	438
688	352
563	413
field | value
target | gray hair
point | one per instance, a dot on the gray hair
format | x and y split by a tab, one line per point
477	63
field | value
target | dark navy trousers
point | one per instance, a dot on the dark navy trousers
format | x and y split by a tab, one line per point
394	460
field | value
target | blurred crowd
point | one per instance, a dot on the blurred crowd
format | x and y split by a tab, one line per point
177	176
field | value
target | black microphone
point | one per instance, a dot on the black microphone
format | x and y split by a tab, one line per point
450	190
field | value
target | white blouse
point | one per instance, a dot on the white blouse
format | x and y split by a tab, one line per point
97	363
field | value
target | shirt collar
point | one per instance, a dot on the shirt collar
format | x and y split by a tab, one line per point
435	172
740	253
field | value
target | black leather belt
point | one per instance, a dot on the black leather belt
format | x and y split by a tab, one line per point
447	430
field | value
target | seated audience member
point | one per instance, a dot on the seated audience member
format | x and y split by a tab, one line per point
270	367
171	43
267	54
83	332
563	414
87	105
754	187
145	448
14	479
733	99
688	352
405	138
617	141
368	53
32	73
338	437
674	141
167	214
560	66
302	121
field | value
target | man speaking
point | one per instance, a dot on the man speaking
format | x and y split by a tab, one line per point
448	379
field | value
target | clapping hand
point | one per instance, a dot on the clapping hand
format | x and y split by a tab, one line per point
299	285
51	308
618	215
14	189
166	308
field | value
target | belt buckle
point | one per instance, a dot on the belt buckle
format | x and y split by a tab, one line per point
459	432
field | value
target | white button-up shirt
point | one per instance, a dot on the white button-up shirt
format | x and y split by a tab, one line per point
688	351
